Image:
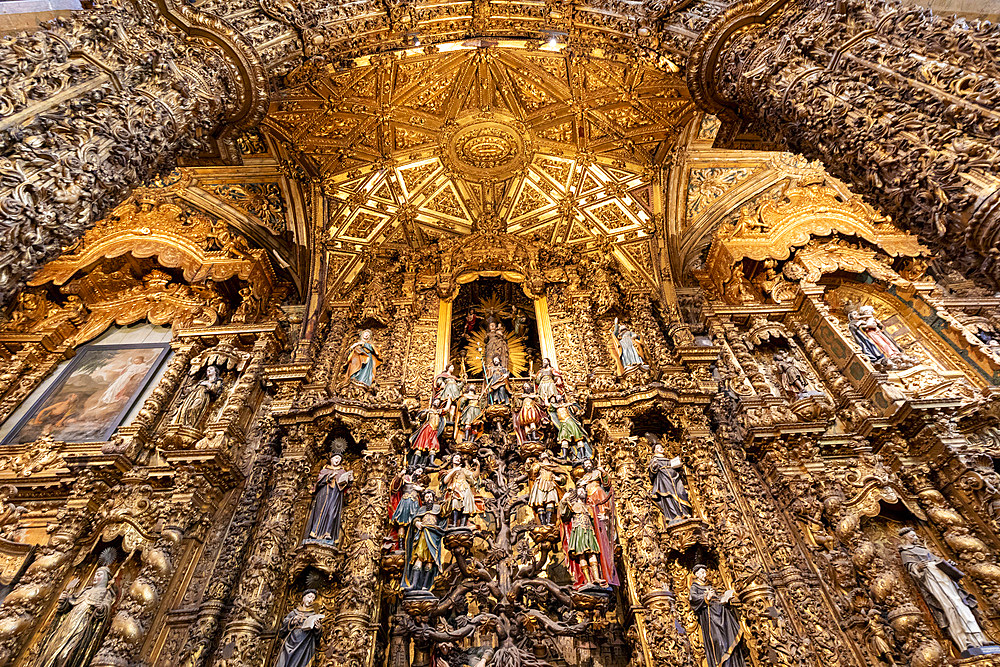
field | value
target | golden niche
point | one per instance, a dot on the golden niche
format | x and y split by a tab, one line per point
486	145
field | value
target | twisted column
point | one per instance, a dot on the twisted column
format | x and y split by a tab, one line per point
897	102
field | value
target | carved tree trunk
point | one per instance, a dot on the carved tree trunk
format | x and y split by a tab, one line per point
93	106
899	103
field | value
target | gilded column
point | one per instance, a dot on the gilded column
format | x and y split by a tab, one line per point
229	565
899	103
352	643
770	636
653	603
263	575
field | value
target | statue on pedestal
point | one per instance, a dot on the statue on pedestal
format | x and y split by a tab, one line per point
580	538
597	484
424	441
406	489
547	476
939	583
546	380
668	485
423	545
563	414
789	374
362	360
460	501
80	624
301	631
720	629
529	418
449	389
196	403
471	412
628	347
328	505
497	376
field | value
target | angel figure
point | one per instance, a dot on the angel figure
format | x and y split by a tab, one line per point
460	500
362	360
425	441
628	348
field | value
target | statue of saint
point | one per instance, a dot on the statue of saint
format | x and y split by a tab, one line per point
872	338
939	585
668	486
471	411
362	360
497	377
424	441
628	345
570	432
80	623
529	418
301	631
496	343
196	403
328	506
520	323
720	629
792	380
580	538
459	484
546	491
546	382
405	490
423	545
597	483
449	390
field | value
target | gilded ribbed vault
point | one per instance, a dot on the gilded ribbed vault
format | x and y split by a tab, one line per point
541	141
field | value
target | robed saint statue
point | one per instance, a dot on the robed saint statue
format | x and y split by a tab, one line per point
720	629
80	624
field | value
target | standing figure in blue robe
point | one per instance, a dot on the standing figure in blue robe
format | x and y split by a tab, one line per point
423	545
362	360
629	347
328	507
301	631
497	377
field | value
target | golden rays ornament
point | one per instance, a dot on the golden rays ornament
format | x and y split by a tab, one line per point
515	349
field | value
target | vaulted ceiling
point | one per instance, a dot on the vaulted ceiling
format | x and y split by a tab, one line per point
416	146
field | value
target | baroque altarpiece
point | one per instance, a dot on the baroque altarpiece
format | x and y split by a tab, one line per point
495	346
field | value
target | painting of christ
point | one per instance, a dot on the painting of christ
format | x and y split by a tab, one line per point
93	394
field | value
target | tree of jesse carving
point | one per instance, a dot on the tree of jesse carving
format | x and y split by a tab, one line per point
500	570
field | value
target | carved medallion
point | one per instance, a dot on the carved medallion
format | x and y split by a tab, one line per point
482	146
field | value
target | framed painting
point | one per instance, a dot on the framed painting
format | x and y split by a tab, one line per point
92	395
